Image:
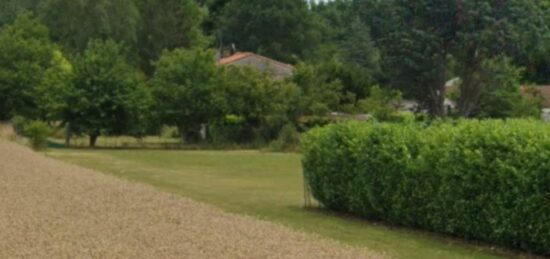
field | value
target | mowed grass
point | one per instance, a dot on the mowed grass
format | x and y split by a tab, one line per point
268	186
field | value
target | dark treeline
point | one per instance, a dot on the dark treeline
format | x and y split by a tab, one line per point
111	67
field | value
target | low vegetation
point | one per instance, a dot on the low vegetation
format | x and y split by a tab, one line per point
149	73
479	180
50	209
267	186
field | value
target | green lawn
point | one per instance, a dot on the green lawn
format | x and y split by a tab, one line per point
264	185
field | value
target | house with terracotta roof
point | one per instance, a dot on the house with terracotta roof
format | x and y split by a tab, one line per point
278	69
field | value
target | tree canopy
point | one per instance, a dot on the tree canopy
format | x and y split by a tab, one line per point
281	29
26	53
97	66
109	96
183	89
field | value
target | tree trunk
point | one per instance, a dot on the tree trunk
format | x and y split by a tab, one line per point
437	105
470	87
68	135
470	91
93	140
438	95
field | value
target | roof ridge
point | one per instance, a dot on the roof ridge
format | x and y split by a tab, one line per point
240	55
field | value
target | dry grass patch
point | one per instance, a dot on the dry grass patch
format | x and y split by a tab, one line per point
49	209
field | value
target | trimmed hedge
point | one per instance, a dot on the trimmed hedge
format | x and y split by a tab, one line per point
482	180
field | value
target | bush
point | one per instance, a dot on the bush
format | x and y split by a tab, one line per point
37	132
288	140
483	180
18	123
231	129
167	132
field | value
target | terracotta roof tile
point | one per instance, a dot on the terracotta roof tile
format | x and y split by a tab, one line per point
235	57
240	55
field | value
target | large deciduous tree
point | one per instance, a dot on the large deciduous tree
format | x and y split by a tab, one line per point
109	96
261	104
419	39
26	53
183	88
488	29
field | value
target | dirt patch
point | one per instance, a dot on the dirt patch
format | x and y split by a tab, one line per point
49	209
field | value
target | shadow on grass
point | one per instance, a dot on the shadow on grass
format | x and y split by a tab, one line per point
472	245
156	146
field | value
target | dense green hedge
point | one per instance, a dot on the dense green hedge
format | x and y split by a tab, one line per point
482	180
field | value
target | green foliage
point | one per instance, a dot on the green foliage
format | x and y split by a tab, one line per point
26	54
108	96
166	25
382	104
11	9
167	132
418	39
183	87
482	180
359	48
262	104
75	23
288	139
319	95
231	129
56	86
514	29
331	86
501	96
38	133
280	29
18	123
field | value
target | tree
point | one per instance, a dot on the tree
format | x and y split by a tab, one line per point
56	85
416	46
488	30
318	95
183	89
109	96
331	86
168	25
252	105
11	9
501	95
422	38
215	8
280	29
382	104
26	53
358	48
74	23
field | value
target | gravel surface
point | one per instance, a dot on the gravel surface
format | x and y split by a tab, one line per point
50	209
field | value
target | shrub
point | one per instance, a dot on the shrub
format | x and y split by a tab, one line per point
288	139
231	129
483	180
167	132
18	123
37	132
